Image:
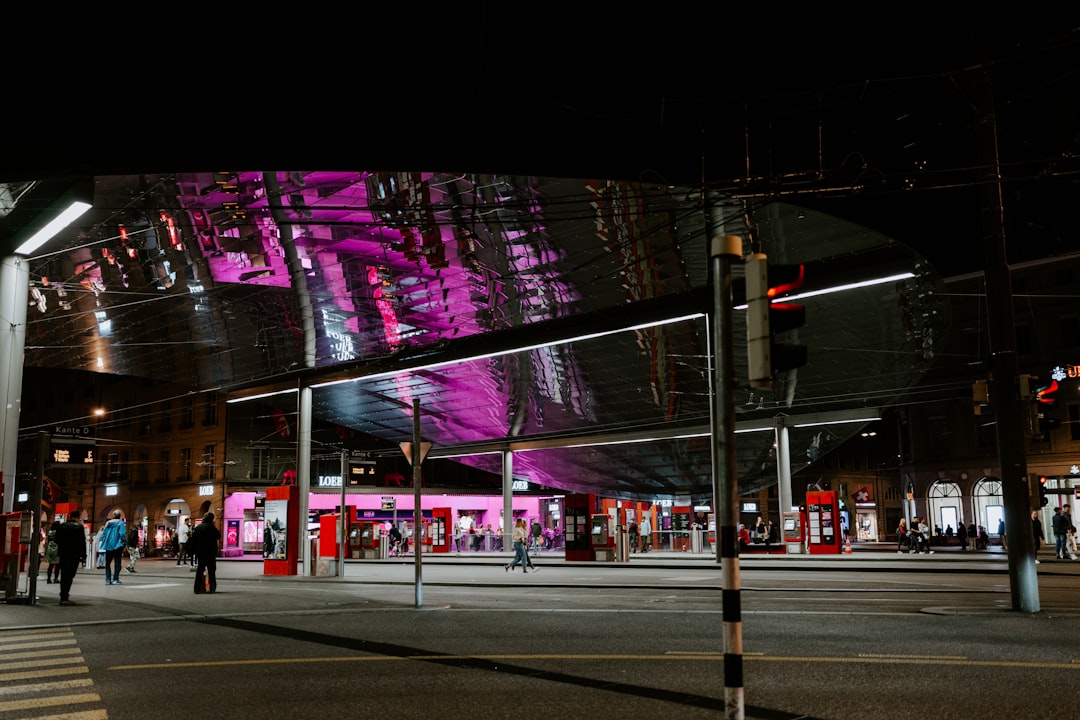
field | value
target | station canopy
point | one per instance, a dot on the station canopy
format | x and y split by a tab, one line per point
565	319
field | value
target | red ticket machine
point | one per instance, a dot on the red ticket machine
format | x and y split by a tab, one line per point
823	522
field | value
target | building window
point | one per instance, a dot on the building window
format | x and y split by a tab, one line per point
1074	422
164	461
185	464
208	463
210	410
143	472
165	416
187	414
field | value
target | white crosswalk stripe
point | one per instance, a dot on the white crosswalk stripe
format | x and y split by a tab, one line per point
39	677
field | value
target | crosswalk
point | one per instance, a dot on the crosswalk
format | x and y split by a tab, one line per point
43	677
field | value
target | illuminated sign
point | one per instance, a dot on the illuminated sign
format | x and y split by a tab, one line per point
1060	373
205	490
111	490
72	452
749	507
520	485
329	481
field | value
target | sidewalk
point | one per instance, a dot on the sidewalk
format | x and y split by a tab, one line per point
162	591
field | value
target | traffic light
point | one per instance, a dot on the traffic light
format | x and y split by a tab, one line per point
767	317
1043	500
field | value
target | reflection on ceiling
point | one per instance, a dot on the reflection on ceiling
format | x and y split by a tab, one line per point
384	288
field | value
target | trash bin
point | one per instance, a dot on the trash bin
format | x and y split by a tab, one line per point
313	556
622	544
695	538
384	546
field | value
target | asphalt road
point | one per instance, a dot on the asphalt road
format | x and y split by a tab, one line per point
865	636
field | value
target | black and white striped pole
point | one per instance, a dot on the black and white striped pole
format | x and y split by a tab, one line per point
725	250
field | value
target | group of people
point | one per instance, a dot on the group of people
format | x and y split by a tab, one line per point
65	550
916	539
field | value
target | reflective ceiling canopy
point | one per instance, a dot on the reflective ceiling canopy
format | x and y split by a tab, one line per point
378	289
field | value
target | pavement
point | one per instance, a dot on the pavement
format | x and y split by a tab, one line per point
161	590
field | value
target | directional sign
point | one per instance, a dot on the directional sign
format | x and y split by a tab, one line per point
406	447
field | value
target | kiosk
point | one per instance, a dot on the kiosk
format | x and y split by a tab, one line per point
794	527
823	522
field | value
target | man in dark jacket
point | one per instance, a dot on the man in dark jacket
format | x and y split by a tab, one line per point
71	542
204	546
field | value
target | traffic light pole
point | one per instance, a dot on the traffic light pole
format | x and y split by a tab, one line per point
1020	546
724	251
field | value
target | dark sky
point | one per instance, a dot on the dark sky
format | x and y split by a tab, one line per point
867	110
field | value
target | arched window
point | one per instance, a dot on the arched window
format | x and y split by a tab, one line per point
944	507
989	503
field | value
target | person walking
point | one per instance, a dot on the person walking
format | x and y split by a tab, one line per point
902	538
1001	533
1036	533
71	547
645	530
961	535
973	537
133	548
183	533
52	554
203	543
634	535
112	541
519	536
1070	531
1061	534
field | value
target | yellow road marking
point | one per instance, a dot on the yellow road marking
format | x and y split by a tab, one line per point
35	674
715	657
44	687
41	662
53	701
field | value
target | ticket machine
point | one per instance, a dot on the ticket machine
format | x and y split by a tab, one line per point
602	537
794	527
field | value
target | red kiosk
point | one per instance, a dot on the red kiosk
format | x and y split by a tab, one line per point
823	522
281	515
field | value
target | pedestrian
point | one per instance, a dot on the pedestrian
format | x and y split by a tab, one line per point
537	532
759	530
1070	531
203	543
973	537
457	537
52	554
71	546
948	534
133	548
744	538
961	535
1061	534
520	536
634	536
903	539
183	533
113	538
1001	532
924	530
1036	533
645	531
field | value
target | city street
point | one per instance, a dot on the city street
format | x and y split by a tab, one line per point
839	637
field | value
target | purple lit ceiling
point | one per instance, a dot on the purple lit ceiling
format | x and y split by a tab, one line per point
252	281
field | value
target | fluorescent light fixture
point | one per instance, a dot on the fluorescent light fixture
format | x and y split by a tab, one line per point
500	353
262	395
836	422
61	221
839	288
